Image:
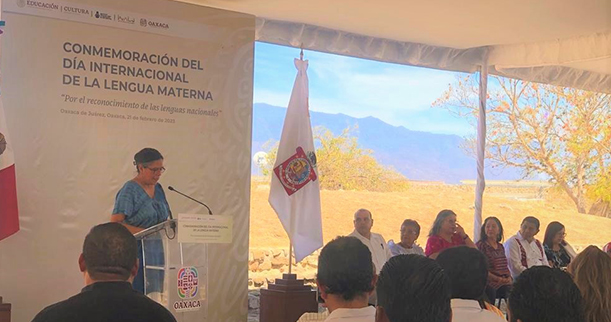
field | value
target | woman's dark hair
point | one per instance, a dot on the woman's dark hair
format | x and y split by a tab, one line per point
145	156
439	220
482	233
550	232
413	223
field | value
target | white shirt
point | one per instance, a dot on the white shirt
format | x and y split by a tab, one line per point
366	314
396	249
470	311
380	253
514	255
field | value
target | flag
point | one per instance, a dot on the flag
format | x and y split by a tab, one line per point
295	190
9	219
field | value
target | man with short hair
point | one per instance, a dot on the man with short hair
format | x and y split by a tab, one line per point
380	253
413	288
523	250
109	263
467	269
346	279
544	294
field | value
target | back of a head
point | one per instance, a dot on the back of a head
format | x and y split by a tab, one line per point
345	268
414	288
467	269
544	294
110	251
592	273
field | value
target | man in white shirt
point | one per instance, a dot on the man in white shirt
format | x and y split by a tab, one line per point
346	279
523	250
467	269
380	253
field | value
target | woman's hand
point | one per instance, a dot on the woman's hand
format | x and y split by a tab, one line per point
460	231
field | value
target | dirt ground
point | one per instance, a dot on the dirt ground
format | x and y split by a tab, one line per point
422	202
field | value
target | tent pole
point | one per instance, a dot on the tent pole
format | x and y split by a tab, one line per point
481	151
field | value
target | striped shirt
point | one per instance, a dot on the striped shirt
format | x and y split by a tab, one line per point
497	262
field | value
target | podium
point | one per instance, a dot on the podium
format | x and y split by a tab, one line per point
175	274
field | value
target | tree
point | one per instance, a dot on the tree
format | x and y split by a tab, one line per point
541	129
342	164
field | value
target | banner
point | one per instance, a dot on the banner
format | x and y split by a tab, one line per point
87	84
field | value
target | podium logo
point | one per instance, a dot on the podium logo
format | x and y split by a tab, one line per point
188	282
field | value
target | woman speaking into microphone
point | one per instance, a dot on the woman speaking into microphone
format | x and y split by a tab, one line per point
141	203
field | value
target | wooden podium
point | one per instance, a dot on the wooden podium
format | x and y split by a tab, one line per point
286	300
5	311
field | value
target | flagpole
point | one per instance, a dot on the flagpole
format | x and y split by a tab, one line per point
290	255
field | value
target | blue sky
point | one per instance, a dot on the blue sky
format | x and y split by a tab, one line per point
396	94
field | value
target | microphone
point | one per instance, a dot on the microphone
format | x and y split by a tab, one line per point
199	202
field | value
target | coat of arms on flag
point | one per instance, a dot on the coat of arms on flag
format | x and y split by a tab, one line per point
296	171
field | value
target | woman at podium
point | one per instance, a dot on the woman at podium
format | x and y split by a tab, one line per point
141	203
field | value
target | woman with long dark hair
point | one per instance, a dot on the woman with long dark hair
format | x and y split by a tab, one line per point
559	253
499	277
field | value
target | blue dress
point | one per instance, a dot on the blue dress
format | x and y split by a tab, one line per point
142	211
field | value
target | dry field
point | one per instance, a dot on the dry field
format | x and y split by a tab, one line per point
422	202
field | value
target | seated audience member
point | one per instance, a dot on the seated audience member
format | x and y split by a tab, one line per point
467	270
499	277
544	294
559	253
413	288
363	222
346	278
591	271
607	248
523	250
410	230
109	263
446	233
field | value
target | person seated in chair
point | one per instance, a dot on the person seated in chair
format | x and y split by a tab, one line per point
346	279
109	263
467	270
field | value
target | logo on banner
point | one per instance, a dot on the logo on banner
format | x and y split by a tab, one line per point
102	15
143	22
126	19
296	171
188	282
2	143
75	10
37	4
187	286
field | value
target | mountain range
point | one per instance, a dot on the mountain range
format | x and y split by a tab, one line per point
417	155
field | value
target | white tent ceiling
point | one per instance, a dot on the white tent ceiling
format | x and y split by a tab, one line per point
562	42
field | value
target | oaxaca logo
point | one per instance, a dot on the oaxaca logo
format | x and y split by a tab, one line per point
188	282
296	171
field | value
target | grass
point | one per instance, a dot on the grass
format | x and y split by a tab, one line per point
422	203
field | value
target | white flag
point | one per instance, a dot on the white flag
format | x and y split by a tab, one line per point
295	189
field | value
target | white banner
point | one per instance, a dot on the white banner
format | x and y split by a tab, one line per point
82	94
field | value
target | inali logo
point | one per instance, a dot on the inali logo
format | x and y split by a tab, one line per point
126	19
188	282
20	3
143	22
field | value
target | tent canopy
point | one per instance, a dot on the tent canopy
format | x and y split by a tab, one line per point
560	42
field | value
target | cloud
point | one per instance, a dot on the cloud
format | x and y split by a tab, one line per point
396	94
